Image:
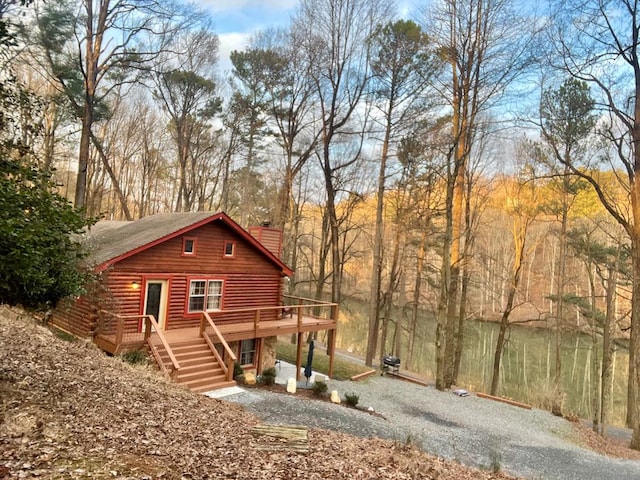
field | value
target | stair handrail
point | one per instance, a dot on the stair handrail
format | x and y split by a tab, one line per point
231	357
150	321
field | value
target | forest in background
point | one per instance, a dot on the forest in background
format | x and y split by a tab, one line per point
476	160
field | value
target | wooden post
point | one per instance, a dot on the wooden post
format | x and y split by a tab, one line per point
202	323
147	327
230	366
300	303
335	309
331	347
119	332
299	356
260	353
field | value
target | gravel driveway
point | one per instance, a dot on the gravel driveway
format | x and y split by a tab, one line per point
477	432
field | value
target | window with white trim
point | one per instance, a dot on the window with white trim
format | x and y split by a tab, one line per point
205	293
247	352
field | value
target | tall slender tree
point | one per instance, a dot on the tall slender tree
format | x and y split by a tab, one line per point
567	120
186	90
403	66
485	43
334	36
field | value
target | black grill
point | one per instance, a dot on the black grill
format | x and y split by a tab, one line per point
390	362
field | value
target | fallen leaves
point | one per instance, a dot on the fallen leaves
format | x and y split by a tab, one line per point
68	411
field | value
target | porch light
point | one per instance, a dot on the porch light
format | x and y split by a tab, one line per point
135	285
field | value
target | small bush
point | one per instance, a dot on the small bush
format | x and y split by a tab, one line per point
351	399
319	388
237	370
269	376
135	357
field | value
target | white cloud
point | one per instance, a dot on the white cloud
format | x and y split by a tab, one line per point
228	43
217	6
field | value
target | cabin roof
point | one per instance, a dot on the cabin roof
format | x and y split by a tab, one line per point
111	241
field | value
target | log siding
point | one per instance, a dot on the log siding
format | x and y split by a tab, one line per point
249	278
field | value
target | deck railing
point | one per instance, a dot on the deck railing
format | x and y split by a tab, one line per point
119	330
303	308
123	331
151	326
205	321
301	304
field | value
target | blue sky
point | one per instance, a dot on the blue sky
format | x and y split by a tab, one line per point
236	20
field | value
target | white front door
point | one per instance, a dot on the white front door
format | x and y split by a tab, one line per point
155	301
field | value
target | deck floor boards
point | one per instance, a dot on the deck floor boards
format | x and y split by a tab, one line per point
230	331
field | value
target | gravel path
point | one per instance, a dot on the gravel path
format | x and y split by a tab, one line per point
477	432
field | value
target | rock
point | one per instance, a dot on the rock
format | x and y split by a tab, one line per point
335	398
320	378
291	385
249	378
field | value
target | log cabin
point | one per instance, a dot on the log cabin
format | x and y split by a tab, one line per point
196	290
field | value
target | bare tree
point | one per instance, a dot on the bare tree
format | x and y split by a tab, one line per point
522	206
403	66
485	44
92	46
334	37
185	87
597	44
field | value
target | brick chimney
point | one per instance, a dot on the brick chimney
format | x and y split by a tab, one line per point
270	237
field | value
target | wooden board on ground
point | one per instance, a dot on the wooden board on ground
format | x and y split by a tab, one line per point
504	400
407	378
366	374
277	438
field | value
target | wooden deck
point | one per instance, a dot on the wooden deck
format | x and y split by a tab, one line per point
212	336
231	331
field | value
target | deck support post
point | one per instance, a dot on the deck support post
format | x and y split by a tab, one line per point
331	350
260	363
119	333
299	356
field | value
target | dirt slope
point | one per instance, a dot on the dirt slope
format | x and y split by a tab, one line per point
67	411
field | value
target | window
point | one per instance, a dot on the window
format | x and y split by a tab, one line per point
229	249
247	352
188	246
205	293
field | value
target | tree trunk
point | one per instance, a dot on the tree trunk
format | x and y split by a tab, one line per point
497	356
607	348
596	393
417	290
633	406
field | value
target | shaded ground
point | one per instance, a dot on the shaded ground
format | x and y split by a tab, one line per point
67	411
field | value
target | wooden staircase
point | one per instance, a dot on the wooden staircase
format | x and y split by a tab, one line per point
199	370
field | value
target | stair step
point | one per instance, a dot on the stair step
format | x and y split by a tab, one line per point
188	356
201	368
184	363
215	386
202	347
199	382
185	377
